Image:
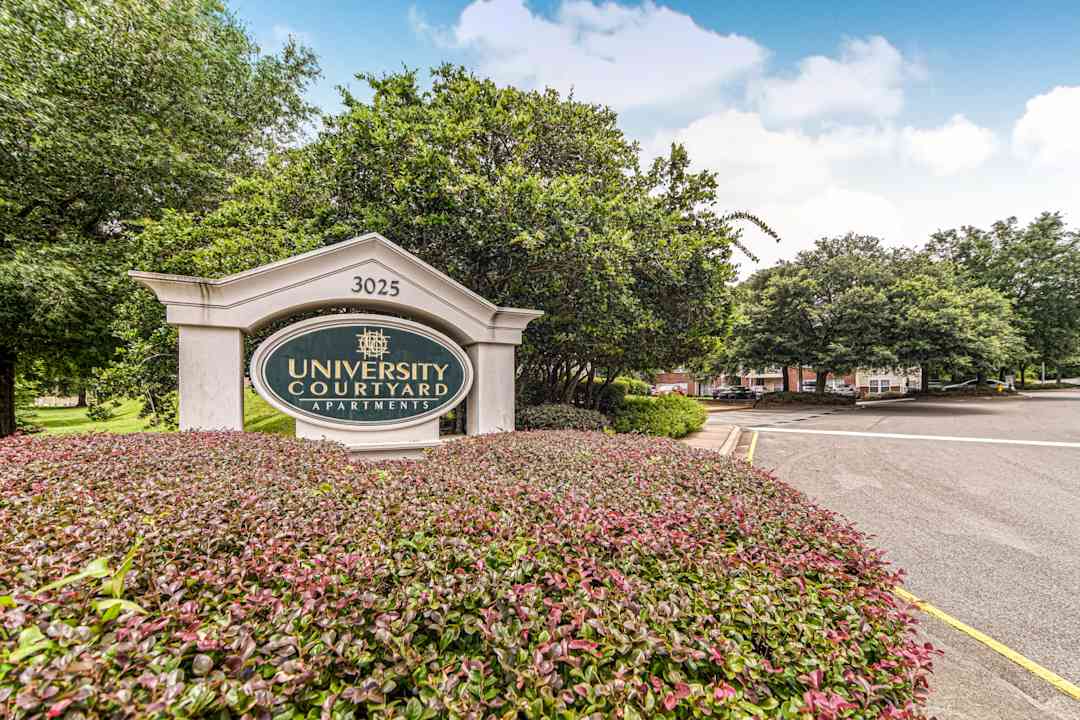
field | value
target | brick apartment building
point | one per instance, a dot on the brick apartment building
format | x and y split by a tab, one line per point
867	381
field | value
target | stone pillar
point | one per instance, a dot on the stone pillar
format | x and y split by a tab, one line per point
211	378
491	402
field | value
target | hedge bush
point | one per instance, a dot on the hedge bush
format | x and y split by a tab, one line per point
671	415
560	417
515	575
634	386
609	397
807	398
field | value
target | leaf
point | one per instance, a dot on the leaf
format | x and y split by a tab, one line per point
97	568
115	585
31	642
106	604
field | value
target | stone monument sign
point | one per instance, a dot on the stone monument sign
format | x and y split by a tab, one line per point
376	380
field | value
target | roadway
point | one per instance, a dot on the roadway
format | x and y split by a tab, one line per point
988	529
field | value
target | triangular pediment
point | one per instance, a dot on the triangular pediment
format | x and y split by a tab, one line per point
366	270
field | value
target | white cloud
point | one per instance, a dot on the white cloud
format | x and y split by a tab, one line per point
749	157
622	56
1047	133
956	146
867	80
821	151
791	178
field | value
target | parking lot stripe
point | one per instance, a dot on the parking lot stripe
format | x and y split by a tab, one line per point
750	452
1031	666
903	436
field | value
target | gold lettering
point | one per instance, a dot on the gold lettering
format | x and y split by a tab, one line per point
296	392
386	371
340	388
392	388
292	369
351	368
322	367
369	370
318	388
440	389
439	369
407	390
403	371
423	389
359	389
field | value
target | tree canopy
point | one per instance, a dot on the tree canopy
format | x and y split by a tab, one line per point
850	302
1037	267
530	199
111	112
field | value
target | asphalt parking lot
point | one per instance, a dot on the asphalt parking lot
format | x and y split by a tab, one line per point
987	530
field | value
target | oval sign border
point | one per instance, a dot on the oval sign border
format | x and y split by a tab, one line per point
305	327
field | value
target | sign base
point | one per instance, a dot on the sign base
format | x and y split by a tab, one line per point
368	446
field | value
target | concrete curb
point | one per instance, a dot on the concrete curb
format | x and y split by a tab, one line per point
733	408
864	403
732	441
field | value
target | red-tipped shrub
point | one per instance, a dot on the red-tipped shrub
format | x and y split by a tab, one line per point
533	574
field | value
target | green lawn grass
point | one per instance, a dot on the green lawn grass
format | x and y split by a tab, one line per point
258	417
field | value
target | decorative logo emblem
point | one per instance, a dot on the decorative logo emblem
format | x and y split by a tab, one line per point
372	344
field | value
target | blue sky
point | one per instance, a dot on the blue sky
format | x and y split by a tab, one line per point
888	118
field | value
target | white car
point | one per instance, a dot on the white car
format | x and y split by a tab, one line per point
997	384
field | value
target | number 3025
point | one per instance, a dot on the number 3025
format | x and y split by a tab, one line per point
375	286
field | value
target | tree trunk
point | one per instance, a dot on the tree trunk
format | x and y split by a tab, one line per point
800	377
1023	371
1001	375
787	380
819	386
979	377
81	402
7	394
1057	373
924	377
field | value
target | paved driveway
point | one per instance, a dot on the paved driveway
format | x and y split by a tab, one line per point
988	531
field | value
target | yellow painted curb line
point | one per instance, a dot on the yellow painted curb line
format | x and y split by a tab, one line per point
1032	667
750	452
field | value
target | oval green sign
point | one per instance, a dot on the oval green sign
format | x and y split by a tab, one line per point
361	370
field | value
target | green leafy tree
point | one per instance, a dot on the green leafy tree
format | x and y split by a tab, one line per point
1037	268
530	199
827	309
941	322
109	112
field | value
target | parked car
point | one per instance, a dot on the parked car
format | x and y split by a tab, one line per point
668	388
719	391
736	392
934	385
843	389
996	384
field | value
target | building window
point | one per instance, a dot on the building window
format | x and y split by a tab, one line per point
879	385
